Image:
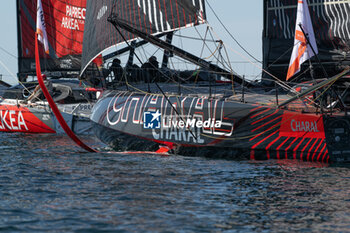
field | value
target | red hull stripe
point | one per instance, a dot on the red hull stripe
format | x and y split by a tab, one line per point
254	109
269	145
304	148
259	113
296	148
267	123
255	122
321	152
313	156
310	150
324	156
279	147
272	127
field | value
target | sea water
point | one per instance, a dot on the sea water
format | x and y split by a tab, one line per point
48	185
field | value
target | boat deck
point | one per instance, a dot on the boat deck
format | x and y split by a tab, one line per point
256	96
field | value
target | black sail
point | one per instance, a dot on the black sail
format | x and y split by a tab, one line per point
332	31
149	16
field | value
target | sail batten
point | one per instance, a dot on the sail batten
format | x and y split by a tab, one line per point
149	16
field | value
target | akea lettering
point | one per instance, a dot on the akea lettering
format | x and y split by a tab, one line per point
304	126
74	17
12	121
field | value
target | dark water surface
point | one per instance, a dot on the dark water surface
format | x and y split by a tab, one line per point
47	185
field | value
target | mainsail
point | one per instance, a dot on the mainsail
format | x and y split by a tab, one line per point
149	16
332	31
65	21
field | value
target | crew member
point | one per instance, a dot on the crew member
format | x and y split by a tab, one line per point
150	69
117	70
37	93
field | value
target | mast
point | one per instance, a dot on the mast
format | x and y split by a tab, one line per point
179	52
167	54
19	41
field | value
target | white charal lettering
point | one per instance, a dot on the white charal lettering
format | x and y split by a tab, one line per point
190	136
312	127
315	126
304	126
155	134
307	126
173	133
292	123
182	134
199	139
179	134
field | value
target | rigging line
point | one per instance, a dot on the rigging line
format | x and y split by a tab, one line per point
182	47
217	58
194	38
206	45
13	76
250	136
52	104
137	57
222	43
314	88
8	52
205	36
282	84
171	79
213	54
230	66
280	57
231	34
165	75
279	82
223	62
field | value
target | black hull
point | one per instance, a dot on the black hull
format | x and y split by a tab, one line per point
247	132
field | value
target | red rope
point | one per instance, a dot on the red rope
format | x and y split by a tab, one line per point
52	104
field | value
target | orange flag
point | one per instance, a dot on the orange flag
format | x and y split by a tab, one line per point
302	51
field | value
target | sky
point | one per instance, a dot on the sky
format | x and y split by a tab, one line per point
244	20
